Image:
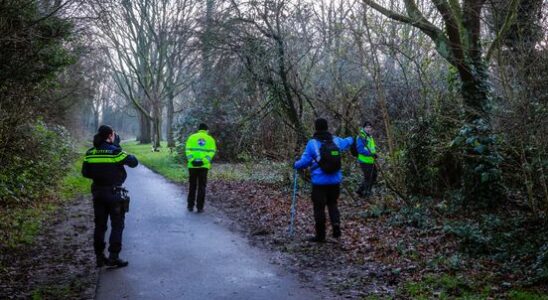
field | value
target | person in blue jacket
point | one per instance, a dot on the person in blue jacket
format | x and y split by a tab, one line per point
325	186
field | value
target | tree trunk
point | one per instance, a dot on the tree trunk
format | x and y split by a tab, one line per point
169	127
206	85
481	179
95	120
145	129
156	127
291	109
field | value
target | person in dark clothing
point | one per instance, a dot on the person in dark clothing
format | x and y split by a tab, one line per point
104	164
325	186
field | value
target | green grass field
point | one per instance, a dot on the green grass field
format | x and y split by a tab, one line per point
167	164
162	162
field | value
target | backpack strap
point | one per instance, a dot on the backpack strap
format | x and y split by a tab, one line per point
317	149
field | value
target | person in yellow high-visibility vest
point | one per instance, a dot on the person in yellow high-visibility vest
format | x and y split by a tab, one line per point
367	153
200	149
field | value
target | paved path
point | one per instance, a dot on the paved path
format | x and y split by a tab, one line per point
175	254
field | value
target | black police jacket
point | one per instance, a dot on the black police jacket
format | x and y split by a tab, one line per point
105	165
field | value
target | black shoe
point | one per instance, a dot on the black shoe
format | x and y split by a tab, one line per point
200	210
190	209
101	260
336	232
116	262
316	239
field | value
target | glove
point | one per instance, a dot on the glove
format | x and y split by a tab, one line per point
116	141
375	156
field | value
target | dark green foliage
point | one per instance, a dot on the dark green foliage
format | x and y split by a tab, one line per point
418	158
43	156
518	241
472	238
521	295
33	154
540	267
429	166
482	174
417	215
31	44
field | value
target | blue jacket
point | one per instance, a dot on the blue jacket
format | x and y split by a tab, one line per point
361	147
367	149
311	155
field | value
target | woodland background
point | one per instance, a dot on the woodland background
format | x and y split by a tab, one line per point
457	92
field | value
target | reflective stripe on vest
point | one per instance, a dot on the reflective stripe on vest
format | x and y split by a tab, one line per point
105	159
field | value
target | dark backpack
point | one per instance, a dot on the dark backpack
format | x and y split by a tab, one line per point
330	157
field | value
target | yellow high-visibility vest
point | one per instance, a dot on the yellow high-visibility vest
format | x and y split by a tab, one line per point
200	149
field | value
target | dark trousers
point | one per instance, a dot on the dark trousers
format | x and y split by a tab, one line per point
369	178
323	195
197	180
105	206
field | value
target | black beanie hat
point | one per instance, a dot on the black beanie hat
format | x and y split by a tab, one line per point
102	134
104	131
202	126
321	124
367	123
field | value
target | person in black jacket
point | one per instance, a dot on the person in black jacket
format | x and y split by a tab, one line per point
104	164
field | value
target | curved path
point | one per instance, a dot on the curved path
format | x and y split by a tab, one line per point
175	254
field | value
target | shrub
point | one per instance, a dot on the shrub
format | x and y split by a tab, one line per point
34	163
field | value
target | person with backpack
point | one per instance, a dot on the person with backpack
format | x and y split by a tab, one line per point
200	149
367	153
323	155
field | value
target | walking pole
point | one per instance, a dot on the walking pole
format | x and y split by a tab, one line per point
293	204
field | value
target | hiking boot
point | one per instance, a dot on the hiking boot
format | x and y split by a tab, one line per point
316	239
200	210
101	260
336	232
190	209
115	261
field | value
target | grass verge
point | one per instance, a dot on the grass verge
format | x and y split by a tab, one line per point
170	165
163	162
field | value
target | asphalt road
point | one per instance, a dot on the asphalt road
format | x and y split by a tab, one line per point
175	254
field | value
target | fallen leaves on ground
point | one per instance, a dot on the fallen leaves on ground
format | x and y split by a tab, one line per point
373	256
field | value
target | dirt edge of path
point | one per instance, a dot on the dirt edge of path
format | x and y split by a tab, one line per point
59	264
